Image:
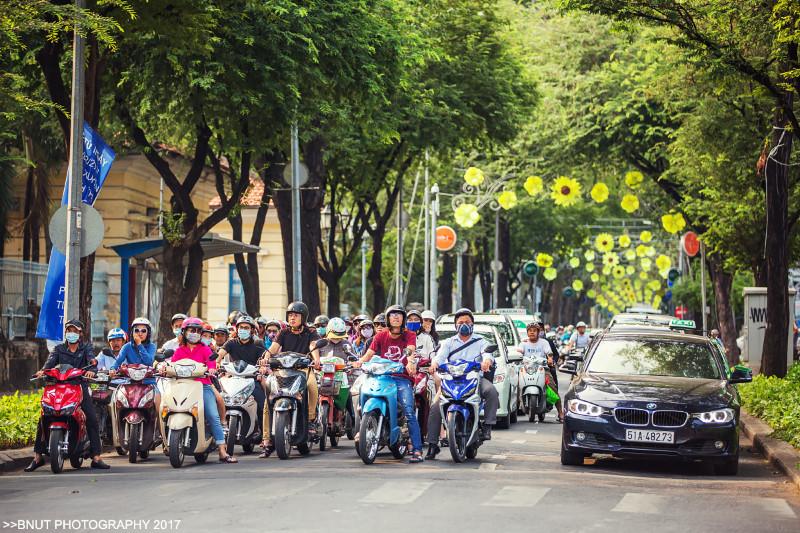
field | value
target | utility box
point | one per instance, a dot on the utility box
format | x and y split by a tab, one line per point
755	323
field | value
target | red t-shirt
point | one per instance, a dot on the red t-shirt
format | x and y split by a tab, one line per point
384	345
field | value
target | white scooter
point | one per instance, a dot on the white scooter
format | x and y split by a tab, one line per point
241	409
532	383
182	414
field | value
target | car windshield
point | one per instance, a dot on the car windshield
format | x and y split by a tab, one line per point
504	329
654	358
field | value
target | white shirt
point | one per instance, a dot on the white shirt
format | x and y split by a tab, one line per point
425	344
536	350
580	341
473	352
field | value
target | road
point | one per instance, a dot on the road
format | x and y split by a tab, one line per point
516	484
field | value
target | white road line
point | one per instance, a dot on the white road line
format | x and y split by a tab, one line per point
637	502
517	442
517	496
488	466
397	492
289	489
531	431
498	457
775	506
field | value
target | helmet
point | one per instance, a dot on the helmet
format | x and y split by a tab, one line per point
300	308
580	324
380	317
415	313
244	319
234	316
360	318
428	315
321	321
393	309
208	328
274	323
221	328
364	323
461	312
141	321
192	322
117	333
337	329
261	321
178	316
75	323
534	324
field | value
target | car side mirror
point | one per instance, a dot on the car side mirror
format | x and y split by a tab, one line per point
514	355
491	348
741	375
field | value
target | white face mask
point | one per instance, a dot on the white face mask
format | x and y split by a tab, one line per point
367	333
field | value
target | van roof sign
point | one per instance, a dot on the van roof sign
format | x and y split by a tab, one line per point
682	324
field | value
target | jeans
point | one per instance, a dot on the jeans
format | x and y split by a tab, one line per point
491	400
212	414
405	397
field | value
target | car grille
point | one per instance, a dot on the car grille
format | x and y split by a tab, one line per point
632	417
670	419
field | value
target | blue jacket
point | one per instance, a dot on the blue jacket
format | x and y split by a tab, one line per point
143	354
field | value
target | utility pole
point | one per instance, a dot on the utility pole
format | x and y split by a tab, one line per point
297	259
399	263
426	301
496	266
74	198
434	291
364	248
703	284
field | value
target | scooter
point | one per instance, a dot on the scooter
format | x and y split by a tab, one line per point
532	386
241	409
134	414
424	392
62	419
182	413
461	406
102	392
382	422
353	420
288	401
334	391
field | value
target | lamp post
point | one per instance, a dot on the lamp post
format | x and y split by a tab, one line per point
434	283
297	259
364	248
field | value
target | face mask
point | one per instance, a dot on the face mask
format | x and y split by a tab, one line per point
414	326
321	331
464	330
193	337
244	334
367	333
72	337
206	341
177	332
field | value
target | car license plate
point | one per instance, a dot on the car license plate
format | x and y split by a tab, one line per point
644	435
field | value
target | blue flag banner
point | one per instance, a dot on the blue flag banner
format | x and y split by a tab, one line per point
97	159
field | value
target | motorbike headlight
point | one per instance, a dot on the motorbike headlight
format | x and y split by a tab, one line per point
499	378
47	409
328	368
720	416
68	409
457	370
239	399
148	397
579	407
183	371
137	374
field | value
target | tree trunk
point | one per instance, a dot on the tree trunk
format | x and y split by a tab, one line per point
723	283
503	293
334	298
484	273
776	336
375	278
445	296
467	282
181	284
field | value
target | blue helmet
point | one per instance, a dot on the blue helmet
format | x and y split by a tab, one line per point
117	333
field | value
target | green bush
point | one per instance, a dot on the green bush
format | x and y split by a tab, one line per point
777	401
19	415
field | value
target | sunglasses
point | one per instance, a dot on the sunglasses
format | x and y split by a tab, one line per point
380	324
137	330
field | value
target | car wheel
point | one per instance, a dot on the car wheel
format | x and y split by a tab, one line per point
569	458
729	468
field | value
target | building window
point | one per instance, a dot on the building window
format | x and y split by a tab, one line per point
235	291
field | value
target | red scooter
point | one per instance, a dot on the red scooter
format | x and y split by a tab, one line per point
424	391
134	415
63	421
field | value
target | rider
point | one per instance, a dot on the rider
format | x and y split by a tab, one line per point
380	322
321	324
357	320
79	355
261	328
220	335
536	345
364	335
396	343
429	326
425	344
579	339
106	358
207	336
301	339
338	345
192	348
468	346
177	327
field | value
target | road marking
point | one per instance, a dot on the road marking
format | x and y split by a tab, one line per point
517	496
775	506
498	457
488	466
637	502
287	489
397	492
531	431
517	442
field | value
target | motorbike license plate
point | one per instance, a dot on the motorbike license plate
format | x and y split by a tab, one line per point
327	368
644	435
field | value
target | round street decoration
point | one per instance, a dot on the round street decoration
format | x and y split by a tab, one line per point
690	243
445	238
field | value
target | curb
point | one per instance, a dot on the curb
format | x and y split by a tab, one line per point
11	460
781	454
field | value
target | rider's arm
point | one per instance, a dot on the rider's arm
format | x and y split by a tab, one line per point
52	360
122	357
274	348
367	356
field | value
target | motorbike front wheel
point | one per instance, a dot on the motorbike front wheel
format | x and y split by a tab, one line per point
233	429
176	454
457	436
283	434
133	442
531	411
369	437
56	454
323	426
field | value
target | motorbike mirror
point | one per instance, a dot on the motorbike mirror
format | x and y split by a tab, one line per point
160	357
569	367
169	353
491	348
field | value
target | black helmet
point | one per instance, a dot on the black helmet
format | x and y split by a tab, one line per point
359	318
461	312
300	308
244	319
75	323
380	318
321	321
415	313
394	309
262	321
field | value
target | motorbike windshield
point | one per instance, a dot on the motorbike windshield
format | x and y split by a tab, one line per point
380	366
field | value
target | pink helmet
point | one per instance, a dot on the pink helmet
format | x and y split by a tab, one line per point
192	322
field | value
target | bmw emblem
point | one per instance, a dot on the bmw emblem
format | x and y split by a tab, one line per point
651	406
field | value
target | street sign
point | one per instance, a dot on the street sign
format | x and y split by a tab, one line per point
569	292
681	311
302	177
445	238
690	243
496	265
673	274
530	269
90	224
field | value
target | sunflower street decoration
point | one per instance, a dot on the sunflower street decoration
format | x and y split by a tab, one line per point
633	179
663	262
478	191
565	191
599	192
474	176
589	255
630	203
507	199
550	273
534	185
624	241
646	236
577	285
610	259
673	223
589	267
574	262
544	260
604	242
641	250
466	215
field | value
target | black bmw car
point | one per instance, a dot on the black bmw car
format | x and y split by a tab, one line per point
653	393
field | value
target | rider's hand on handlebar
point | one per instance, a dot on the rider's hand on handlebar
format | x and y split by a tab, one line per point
486	365
89	374
357	363
39	373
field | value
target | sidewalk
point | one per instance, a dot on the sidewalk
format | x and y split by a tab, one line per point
11	460
781	454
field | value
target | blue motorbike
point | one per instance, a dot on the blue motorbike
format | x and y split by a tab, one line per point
462	407
382	422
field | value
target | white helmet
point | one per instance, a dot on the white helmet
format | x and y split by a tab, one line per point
141	321
336	329
580	324
428	314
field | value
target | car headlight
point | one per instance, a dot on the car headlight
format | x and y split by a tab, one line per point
720	416
579	407
499	378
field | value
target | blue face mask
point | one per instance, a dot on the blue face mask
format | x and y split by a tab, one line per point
321	331
243	334
414	326
465	330
206	341
176	332
72	337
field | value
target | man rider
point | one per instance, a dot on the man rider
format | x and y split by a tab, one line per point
396	343
116	339
579	339
321	324
79	355
220	335
468	346
539	347
177	325
301	339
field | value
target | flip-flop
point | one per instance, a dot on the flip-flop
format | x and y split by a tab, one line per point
228	459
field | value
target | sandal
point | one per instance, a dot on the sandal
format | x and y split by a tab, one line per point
268	449
228	459
416	457
560	420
